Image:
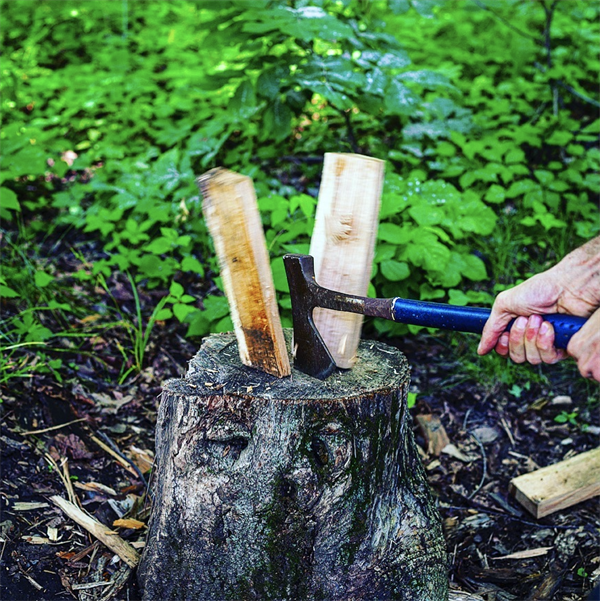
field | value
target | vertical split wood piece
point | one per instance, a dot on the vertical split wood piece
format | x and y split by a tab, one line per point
343	243
231	213
559	486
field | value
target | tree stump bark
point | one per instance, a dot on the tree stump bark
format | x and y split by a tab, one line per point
291	488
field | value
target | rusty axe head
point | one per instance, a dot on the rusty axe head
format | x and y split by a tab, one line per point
311	355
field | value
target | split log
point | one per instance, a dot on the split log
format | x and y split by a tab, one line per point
343	243
290	488
231	213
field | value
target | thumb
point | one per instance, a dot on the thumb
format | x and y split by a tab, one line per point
493	329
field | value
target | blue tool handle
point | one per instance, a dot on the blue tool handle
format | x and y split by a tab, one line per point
472	319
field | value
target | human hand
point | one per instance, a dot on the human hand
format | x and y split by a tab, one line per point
584	347
530	339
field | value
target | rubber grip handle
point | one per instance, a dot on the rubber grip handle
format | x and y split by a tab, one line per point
472	319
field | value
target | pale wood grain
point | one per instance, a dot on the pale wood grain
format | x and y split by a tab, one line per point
104	534
559	486
231	213
343	243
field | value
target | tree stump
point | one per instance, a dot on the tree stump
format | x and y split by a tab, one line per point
290	488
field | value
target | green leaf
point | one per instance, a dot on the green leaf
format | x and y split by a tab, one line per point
516	155
181	311
560	138
544	177
243	103
395	270
7	292
159	246
9	200
277	120
42	279
163	315
521	187
458	297
390	232
192	264
426	78
176	290
425	214
474	268
279	277
400	100
495	194
399	7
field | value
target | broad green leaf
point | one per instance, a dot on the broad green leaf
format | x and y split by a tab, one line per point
9	200
395	270
163	315
560	138
277	121
279	277
544	177
377	81
425	214
428	79
159	246
399	7
176	290
243	102
390	232
474	268
181	311
458	297
516	155
42	279
7	292
192	264
495	194
521	187
400	100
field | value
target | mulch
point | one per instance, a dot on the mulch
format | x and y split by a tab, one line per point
103	460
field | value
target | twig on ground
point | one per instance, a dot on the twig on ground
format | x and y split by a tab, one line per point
65	477
109	446
484	459
104	534
43	430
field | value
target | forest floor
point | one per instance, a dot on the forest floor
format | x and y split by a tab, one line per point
92	440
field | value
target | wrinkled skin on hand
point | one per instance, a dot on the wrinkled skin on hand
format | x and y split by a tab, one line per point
572	287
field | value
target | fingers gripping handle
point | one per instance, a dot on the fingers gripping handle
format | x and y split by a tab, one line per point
472	319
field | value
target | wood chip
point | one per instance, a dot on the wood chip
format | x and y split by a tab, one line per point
526	554
104	534
96	487
559	486
434	433
28	506
129	523
453	451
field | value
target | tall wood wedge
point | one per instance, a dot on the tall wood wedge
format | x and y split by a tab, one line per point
231	213
343	243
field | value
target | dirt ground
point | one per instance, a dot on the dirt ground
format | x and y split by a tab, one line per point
91	440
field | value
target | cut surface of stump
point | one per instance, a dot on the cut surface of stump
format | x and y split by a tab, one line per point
293	488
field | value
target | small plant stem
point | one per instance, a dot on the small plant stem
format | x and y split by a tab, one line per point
507	22
548	45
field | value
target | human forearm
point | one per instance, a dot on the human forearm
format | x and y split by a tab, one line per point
578	279
572	286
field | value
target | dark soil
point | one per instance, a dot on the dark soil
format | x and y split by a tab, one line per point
501	431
